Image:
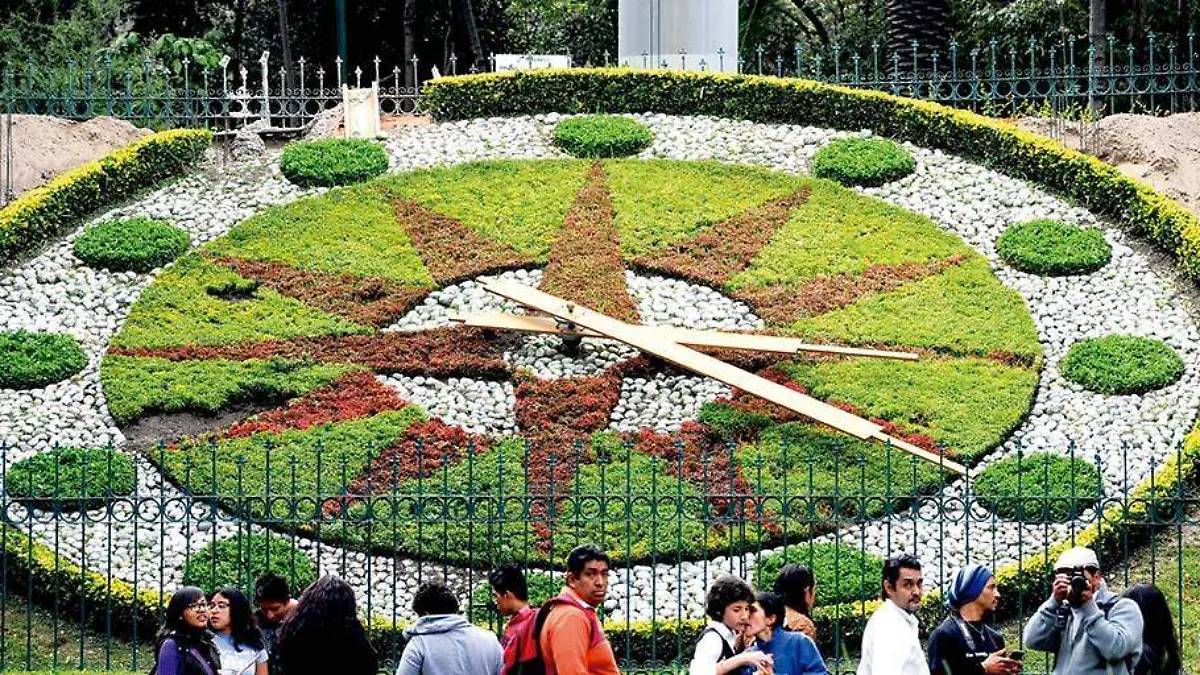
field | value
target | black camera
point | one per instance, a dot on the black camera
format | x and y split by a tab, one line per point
1079	582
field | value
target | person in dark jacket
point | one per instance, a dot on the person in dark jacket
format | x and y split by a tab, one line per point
1160	649
184	646
323	634
964	644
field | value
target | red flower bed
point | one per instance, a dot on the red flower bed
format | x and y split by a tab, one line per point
373	302
585	263
442	352
352	396
451	250
784	304
713	256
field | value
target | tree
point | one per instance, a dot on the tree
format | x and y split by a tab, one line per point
924	22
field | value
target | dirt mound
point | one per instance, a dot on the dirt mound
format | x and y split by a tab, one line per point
1162	151
44	147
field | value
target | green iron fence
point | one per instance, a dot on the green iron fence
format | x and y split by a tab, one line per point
82	531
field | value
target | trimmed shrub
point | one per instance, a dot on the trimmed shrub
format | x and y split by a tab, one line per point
869	162
1042	487
602	136
1121	364
31	360
542	587
844	574
1054	248
72	478
131	245
332	161
241	559
48	210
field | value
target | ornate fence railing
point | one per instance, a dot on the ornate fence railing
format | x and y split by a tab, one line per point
92	543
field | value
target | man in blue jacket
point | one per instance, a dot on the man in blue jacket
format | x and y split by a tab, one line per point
1090	629
443	642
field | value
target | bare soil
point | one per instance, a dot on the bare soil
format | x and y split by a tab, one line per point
43	147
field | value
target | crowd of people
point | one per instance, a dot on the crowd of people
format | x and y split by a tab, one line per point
1087	627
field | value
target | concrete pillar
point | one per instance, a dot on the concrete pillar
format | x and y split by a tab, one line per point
651	32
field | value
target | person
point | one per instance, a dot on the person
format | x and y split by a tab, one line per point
1090	630
184	646
890	644
798	588
791	652
323	634
275	602
238	640
510	592
963	644
727	606
443	642
1160	649
571	640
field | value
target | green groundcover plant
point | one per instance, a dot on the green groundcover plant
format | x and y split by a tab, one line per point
72	478
131	245
1039	487
239	560
31	360
1121	364
600	136
868	162
332	161
542	587
844	574
1054	248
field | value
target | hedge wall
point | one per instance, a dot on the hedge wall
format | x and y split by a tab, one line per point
50	209
1002	146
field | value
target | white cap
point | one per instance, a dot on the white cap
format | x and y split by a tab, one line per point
1077	557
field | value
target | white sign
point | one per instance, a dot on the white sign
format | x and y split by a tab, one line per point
506	62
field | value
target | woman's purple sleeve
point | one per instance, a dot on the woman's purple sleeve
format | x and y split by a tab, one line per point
168	659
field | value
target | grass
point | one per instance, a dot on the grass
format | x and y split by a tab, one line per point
350	231
964	310
518	203
137	386
970	405
602	136
844	574
40	640
180	308
1038	487
663	202
1053	248
838	231
1121	364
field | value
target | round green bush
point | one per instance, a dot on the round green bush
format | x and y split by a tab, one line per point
869	162
82	478
332	161
843	574
1042	487
31	360
1121	364
600	136
1054	248
239	560
131	245
542	587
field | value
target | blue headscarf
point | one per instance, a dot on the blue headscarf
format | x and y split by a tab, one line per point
968	584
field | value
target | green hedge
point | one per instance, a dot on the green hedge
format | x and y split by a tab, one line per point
131	245
867	162
1054	248
241	559
1010	150
1121	364
1063	486
72	478
602	136
32	360
332	161
49	210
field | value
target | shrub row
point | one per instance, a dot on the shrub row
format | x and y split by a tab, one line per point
48	210
1015	152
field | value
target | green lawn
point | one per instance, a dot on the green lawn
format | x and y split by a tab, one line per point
35	641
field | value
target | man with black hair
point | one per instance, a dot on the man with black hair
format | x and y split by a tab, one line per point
728	607
442	642
510	592
963	644
890	644
274	602
569	637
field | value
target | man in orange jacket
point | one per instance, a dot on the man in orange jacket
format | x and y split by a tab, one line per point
572	641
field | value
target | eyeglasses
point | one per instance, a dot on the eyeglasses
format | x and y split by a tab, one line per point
219	605
198	606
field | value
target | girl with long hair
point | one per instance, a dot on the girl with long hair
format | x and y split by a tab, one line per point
238	640
1160	649
798	588
323	634
184	646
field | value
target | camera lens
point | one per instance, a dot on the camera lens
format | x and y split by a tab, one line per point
1079	584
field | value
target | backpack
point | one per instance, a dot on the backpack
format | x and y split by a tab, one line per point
537	665
1142	664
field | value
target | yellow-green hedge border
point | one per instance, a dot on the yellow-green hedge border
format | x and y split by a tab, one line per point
50	209
1006	148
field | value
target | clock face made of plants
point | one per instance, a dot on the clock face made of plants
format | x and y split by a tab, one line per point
327	389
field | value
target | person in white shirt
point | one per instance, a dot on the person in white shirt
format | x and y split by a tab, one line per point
890	644
237	638
728	607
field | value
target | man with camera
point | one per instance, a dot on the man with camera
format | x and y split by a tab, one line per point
1091	630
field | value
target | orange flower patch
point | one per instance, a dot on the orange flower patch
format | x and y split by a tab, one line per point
350	397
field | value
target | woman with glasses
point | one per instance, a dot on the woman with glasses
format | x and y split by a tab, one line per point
237	638
184	646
